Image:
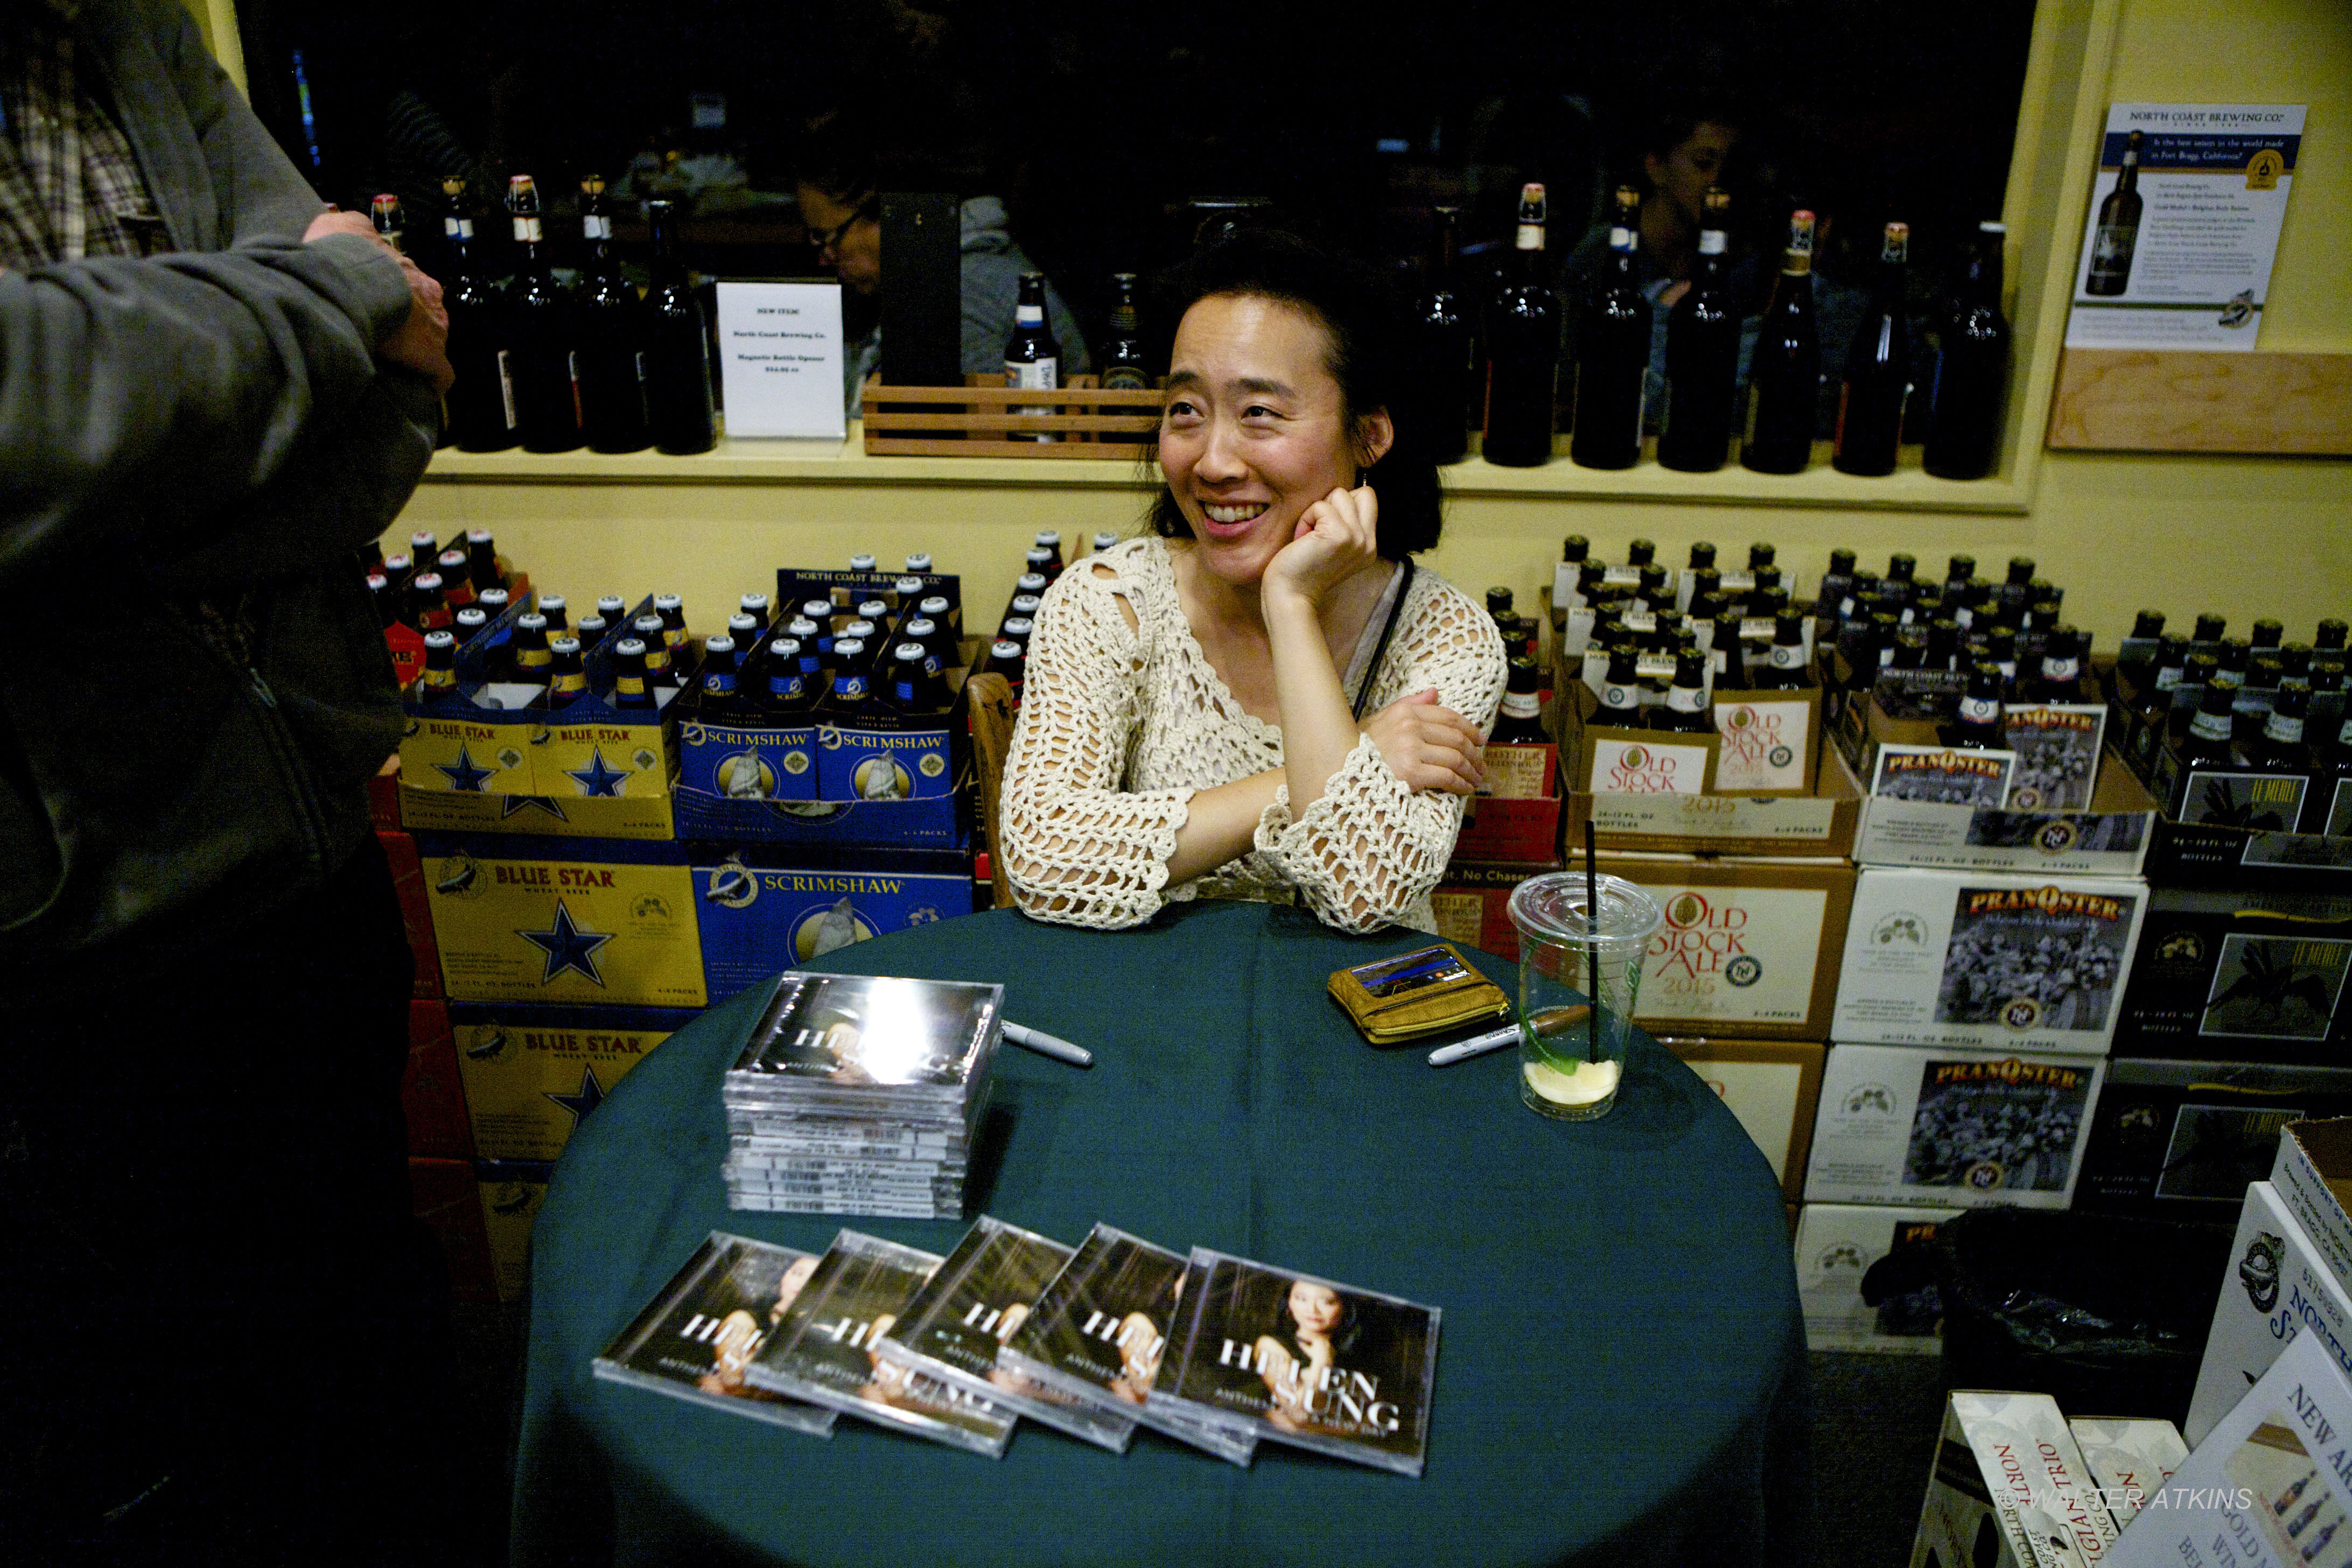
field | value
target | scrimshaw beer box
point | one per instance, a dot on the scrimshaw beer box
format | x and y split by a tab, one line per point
2276	1289
511	1193
532	1074
431	1096
1899	1124
2109	836
1837	1246
1967	958
2234	972
1773	1086
764	908
1748	946
2010	1489
2182	1139
608	922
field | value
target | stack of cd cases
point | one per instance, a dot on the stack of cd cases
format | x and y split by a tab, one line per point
860	1095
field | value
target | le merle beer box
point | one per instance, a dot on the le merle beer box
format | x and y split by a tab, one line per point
2180	1140
564	921
2223	829
2235	974
2009	1489
1844	1308
1773	1086
493	738
764	907
1749	945
444	1196
533	1073
511	1193
1904	1124
1970	958
1473	903
2277	1289
416	910
432	1093
2107	837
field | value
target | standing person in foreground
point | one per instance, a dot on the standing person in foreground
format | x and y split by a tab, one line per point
212	392
1263	698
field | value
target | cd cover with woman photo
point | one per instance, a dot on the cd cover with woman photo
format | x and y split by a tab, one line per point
694	1339
822	1349
1343	1371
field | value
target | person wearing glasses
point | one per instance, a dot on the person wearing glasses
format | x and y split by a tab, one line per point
840	201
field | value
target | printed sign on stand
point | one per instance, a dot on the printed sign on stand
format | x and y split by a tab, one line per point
780	359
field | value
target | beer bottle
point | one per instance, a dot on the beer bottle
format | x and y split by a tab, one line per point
2061	680
1620	689
744	631
547	372
2203	673
2264	672
1784	667
1943	643
590	630
457	578
494	602
1050	540
567	680
1767	596
386	597
1520	723
1877	370
716	681
1829	599
440	676
1522	348
1702	355
1910	647
1612	352
915	687
1445	347
1104	542
932	639
2211	628
861	563
2168	668
1971	379
2281	749
553	606
1686	709
1707	581
2136	665
677	347
481	401
2236	655
2296	658
482	560
1033	359
2207	744
1042	563
756	606
427	610
532	653
1575	550
791	667
424	548
852	682
1123	368
1016	628
933	607
468	624
1959	572
2331	754
1784	374
1641	553
633	688
2330	637
659	669
614	406
1901	583
385	213
2017	589
671	609
2118	231
1652	590
1979	726
918	565
1010	660
612	608
1024	608
2268	632
1761	555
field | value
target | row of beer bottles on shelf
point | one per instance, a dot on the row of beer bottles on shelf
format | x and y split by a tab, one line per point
2187	685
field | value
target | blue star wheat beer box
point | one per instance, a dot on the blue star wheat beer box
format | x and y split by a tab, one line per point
764	907
512	1192
602	922
533	1074
490	756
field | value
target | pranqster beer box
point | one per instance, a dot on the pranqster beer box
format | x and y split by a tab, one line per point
1965	957
2276	1291
765	908
1748	946
2181	1140
532	1074
602	922
1837	1246
1905	1124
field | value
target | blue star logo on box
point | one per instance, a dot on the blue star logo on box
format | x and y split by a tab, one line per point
587	1098
599	777
464	775
511	804
568	946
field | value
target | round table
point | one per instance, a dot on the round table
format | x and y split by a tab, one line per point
1620	1371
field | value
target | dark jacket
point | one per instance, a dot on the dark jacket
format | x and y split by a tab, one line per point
191	447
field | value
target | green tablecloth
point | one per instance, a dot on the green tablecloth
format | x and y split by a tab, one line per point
1620	1374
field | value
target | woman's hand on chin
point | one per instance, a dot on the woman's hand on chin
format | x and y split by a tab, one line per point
1428	745
1336	538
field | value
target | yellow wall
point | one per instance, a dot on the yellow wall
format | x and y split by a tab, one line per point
2243	536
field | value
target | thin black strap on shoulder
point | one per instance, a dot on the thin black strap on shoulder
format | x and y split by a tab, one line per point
1388	629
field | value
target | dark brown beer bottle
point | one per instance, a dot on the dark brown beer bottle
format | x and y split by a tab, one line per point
1784	374
1522	348
1520	723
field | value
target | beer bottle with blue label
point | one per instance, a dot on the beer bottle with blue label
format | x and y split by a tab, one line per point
1033	360
633	691
794	669
851	692
715	682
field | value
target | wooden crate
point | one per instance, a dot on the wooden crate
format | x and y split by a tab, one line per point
977	420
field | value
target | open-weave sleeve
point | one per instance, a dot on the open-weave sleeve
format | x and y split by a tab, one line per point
1368	849
1078	848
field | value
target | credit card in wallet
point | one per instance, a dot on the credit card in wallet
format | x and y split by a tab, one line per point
1428	991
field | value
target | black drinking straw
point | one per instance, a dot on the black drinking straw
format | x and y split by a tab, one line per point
1592	945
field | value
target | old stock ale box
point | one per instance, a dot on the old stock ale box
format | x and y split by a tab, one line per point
766	908
1821	825
564	921
1965	958
1838	1245
2277	1289
1773	1086
2181	1140
1900	1124
1749	947
532	1074
1473	903
2243	975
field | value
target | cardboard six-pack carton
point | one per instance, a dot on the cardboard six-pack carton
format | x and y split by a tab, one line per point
2108	837
767	908
2242	973
1899	1124
2277	1287
2010	1489
1837	1246
2181	1140
1473	903
2129	1457
532	1074
1773	1086
1968	958
2312	1173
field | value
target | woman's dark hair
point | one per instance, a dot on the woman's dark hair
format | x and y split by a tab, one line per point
1369	360
1343	1335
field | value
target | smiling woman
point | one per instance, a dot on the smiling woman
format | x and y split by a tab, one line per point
1263	699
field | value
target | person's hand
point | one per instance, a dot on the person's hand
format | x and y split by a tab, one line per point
1335	539
1429	745
421	344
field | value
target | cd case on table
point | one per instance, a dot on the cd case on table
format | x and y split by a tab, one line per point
823	1349
1100	1330
865	1041
1342	1371
957	1324
694	1340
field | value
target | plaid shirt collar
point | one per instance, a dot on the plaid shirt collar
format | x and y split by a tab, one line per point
69	181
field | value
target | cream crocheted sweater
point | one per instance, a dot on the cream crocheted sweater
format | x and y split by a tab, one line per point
1118	727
